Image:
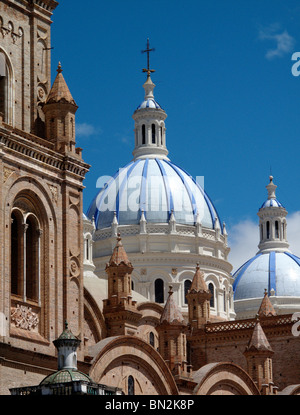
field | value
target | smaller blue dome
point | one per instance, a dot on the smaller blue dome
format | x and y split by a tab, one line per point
279	271
271	203
149	103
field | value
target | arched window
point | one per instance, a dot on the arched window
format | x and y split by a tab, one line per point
4	85
276	229
32	258
16	253
130	385
25	256
87	249
161	135
187	286
132	285
261	232
151	338
143	134
224	300
153	133
159	290
268	230
212	298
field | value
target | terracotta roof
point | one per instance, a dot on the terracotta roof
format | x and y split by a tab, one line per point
258	341
266	308
198	283
119	255
171	313
60	91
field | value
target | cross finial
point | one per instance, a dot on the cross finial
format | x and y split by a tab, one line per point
148	50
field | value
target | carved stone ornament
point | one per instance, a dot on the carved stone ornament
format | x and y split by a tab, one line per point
23	317
7	173
54	193
74	269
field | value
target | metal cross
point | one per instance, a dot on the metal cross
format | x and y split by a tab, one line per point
148	50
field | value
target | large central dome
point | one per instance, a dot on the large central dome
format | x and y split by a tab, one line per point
166	220
156	187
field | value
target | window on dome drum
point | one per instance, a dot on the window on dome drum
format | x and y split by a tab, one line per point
161	136
268	230
276	229
87	249
153	133
151	338
261	232
3	86
130	385
187	286
212	298
132	285
159	290
143	134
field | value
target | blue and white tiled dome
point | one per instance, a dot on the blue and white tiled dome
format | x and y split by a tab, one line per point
157	187
271	203
149	103
278	271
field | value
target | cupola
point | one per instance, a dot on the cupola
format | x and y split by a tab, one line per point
149	128
272	223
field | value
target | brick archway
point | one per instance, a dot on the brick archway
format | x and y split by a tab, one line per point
223	379
124	356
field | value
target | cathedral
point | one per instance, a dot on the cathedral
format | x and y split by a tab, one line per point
136	296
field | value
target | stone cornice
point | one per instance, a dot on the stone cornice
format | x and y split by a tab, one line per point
42	152
173	258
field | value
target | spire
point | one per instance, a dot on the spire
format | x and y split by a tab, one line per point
60	91
119	255
259	360
198	298
258	341
198	283
172	337
59	110
171	313
266	308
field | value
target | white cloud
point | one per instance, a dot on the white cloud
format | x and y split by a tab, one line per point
284	42
86	130
243	239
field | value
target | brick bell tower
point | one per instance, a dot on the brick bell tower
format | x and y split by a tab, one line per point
41	184
198	298
119	310
172	338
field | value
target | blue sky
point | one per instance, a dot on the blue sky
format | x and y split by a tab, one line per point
223	75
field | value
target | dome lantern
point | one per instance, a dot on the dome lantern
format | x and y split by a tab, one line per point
149	117
67	345
272	223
